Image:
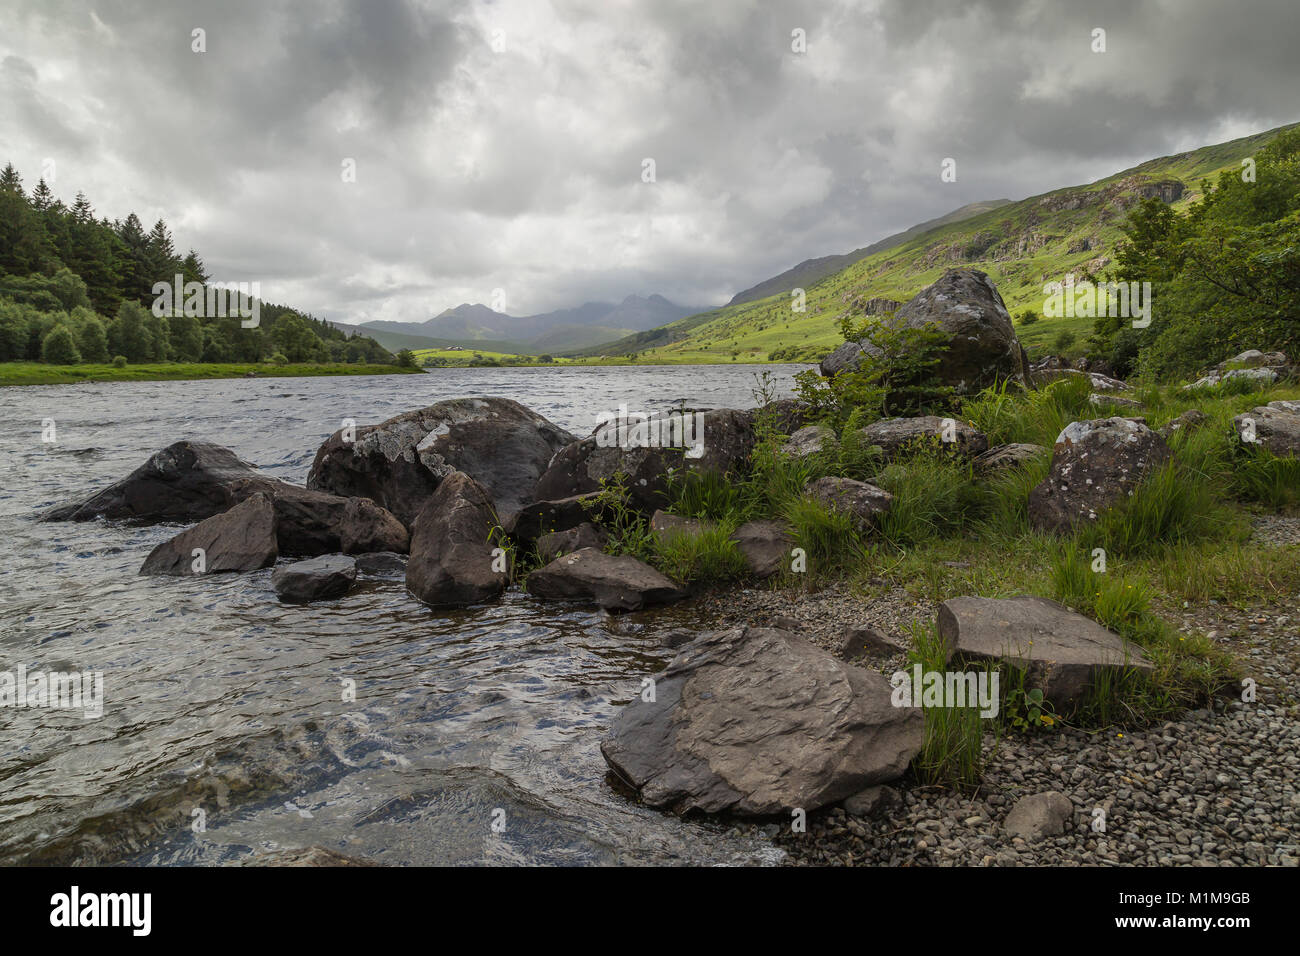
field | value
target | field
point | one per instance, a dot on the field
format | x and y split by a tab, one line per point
38	373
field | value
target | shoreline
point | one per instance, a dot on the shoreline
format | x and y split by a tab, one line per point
15	374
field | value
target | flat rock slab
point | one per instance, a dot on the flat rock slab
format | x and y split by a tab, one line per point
759	721
316	579
241	539
1062	652
614	582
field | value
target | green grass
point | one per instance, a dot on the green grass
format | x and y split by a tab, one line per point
37	373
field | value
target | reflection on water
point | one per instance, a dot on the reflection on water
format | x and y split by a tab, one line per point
370	725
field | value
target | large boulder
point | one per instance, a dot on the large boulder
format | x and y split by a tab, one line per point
1061	652
241	539
897	435
613	582
1095	464
1274	427
765	545
862	502
399	463
619	447
759	721
191	481
452	561
186	481
315	579
965	305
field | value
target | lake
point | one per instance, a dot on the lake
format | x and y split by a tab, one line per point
474	734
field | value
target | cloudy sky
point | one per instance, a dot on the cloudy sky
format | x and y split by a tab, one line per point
500	145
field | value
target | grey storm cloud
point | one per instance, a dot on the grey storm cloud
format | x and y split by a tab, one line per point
500	144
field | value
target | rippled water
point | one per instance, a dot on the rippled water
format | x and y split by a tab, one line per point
220	700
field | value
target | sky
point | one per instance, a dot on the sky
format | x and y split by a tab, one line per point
388	159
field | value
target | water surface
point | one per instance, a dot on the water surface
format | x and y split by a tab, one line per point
220	700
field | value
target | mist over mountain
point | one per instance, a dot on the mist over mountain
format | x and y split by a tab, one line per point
475	324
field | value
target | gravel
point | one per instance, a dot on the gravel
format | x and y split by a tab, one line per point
1217	787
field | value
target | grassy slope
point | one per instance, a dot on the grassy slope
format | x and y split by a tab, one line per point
749	332
37	373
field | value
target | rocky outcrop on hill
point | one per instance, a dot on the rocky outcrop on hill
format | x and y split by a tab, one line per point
982	344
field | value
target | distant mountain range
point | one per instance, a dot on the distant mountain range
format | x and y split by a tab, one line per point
478	326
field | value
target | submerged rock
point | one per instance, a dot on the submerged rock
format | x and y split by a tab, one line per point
315	579
758	721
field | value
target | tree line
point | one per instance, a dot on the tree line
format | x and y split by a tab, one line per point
76	288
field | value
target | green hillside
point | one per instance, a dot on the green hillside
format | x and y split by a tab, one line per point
1021	246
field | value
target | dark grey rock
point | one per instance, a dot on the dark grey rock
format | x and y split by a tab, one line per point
241	539
315	579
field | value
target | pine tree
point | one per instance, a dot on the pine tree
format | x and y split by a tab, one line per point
82	214
194	269
11	182
42	196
